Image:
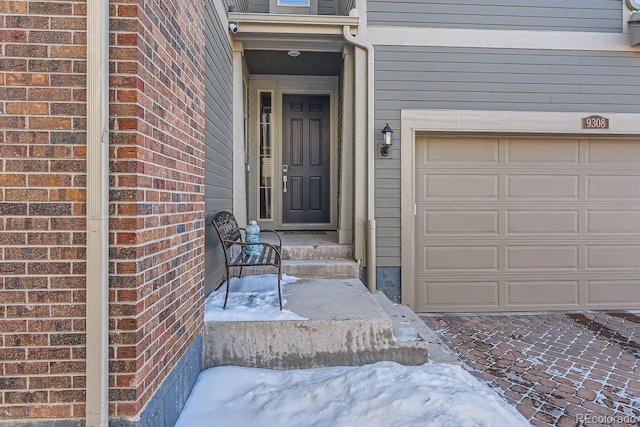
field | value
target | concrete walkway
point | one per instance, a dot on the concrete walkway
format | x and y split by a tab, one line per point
557	369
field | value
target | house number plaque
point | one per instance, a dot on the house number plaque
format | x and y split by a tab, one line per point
595	122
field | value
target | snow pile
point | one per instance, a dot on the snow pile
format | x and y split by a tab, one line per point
379	395
406	332
251	299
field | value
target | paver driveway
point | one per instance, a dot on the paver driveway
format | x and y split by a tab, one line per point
557	369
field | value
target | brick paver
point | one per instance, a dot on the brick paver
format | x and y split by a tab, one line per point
557	369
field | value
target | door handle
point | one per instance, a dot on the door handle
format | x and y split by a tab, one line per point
284	183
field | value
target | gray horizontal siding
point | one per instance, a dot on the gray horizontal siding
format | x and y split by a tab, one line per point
218	137
467	78
219	115
240	5
556	15
487	79
259	6
327	7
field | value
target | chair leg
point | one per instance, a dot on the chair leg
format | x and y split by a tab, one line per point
226	295
280	286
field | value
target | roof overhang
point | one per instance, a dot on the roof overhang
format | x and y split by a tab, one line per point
266	31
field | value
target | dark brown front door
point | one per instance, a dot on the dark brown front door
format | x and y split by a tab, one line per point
306	186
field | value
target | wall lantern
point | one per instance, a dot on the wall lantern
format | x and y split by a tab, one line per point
385	150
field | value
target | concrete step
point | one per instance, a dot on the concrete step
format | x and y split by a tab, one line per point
326	269
406	322
316	252
346	326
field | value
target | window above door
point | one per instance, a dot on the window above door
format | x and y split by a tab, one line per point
303	3
302	7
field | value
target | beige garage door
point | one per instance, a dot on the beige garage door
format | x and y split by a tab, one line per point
522	223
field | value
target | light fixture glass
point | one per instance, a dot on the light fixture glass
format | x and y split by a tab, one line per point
293	53
386	140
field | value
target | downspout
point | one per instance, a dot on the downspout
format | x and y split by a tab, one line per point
371	218
97	276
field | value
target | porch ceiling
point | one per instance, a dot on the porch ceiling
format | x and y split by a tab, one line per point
307	64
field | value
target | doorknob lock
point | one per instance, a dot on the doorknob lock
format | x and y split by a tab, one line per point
284	183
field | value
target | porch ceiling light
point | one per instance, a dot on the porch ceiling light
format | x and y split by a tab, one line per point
386	140
293	53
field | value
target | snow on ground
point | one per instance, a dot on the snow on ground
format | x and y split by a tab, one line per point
379	395
384	394
251	298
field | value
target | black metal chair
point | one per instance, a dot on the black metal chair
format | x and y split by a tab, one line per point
268	254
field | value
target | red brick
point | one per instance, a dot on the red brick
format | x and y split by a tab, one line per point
127	10
68	23
22	22
57	123
26	51
48	8
27	137
50	411
13	122
26	368
13	36
27	108
49	94
24	79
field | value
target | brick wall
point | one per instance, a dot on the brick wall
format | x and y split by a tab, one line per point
42	224
157	210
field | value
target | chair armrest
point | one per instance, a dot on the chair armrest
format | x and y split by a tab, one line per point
276	234
267	231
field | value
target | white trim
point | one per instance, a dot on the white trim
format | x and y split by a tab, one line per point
278	23
539	122
239	184
499	39
626	16
221	11
473	121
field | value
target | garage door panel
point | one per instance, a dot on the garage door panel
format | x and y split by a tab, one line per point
460	186
459	258
541	292
542	257
543	186
458	222
554	151
607	292
468	150
613	187
613	256
553	224
456	294
613	222
613	151
542	222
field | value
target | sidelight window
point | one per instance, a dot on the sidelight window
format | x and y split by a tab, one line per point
266	156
